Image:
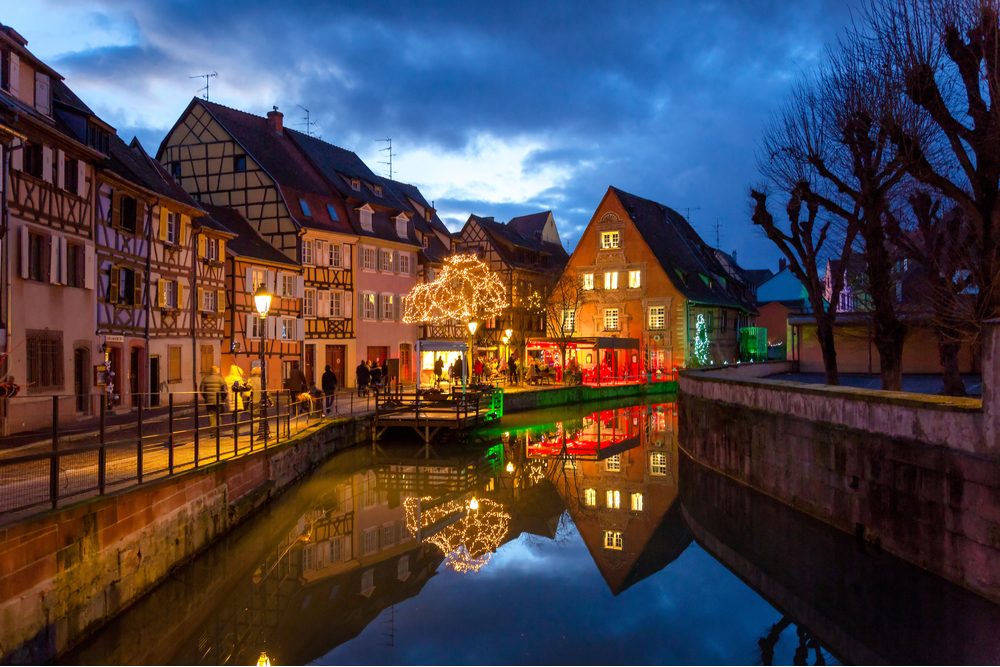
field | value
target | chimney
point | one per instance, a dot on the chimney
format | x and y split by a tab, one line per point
781	264
274	120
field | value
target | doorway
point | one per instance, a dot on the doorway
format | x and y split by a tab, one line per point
81	363
154	381
335	356
134	375
405	362
378	353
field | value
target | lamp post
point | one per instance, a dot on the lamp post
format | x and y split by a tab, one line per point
262	301
473	325
506	341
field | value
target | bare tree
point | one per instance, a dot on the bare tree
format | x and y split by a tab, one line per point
945	57
562	308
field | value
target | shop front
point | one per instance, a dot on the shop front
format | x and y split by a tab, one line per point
429	352
588	360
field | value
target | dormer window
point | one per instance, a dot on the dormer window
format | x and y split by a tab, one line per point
401	226
610	240
43	94
356	184
427	241
305	208
377	189
366	218
332	211
427	215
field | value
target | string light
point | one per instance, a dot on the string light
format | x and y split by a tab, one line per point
464	291
701	341
468	543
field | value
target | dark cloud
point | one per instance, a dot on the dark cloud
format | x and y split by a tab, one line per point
666	100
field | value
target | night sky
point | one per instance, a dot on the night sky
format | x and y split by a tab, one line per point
493	108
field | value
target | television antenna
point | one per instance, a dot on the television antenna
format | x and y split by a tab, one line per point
307	121
388	153
207	77
687	211
718	227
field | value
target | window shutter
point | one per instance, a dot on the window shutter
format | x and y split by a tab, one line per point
162	235
161	293
17	157
63	273
202	245
321	255
60	169
271	282
249	280
15	75
179	289
81	178
47	164
89	267
322	303
25	251
43	100
398	305
51	258
115	219
137	289
300	287
248	332
220	301
348	304
200	293
222	250
113	284
300	330
345	256
272	327
184	230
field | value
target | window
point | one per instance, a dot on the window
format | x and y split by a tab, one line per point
613	463
403	567
289	283
309	302
611	319
401	227
209	300
404	263
366	219
71	175
75	263
39	249
31	163
43	93
122	287
175	169
614	499
388	535
377	189
256	326
368	582
45	359
368	258
369	491
590	497
369	541
287	331
169	288
173	228
336	255
258	277
387	307
307	252
128	209
613	540
657	317
385	261
212	249
174	363
657	463
355	184
98	138
568	321
611	280
636	502
5	68
426	241
331	210
304	205
610	240
239	163
588	281
634	279
368	306
336	304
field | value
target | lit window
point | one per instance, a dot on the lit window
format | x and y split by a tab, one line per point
368	258
614	499
611	319
568	321
307	252
332	212
588	281
355	184
610	240
385	263
377	189
287	328
611	280
170	294
305	208
369	305
613	539
336	256
634	279
258	277
288	285
590	497
613	463
387	307
657	463
404	263
636	502
309	302
657	317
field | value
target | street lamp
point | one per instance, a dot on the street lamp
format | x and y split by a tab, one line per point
473	325
262	301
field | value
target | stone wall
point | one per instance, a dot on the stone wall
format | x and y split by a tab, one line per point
544	397
67	571
913	474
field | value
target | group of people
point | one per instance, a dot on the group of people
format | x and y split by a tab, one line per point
371	374
236	392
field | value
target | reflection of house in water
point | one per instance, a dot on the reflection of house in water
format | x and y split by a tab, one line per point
616	471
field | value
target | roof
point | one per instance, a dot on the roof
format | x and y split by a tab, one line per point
406	190
247	242
530	226
758	277
132	163
503	236
686	259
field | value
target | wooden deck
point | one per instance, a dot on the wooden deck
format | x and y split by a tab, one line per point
430	412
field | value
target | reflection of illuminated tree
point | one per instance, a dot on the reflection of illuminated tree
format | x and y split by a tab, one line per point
469	542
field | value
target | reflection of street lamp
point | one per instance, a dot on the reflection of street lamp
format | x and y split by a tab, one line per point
263	660
473	504
262	301
510	466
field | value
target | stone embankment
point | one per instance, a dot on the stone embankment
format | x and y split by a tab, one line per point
917	475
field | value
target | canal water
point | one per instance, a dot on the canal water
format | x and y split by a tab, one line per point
578	535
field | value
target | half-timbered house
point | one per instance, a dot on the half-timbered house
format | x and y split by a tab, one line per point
528	255
48	250
250	163
250	262
646	275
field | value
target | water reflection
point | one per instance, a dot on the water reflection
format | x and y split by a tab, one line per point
570	539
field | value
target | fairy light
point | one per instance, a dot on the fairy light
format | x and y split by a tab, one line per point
469	542
465	290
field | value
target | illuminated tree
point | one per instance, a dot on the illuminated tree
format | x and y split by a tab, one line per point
701	341
465	290
468	542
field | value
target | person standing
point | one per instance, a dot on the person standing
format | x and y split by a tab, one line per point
438	370
329	382
385	372
213	392
512	368
363	378
376	375
297	385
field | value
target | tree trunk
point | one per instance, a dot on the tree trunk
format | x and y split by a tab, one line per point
889	342
948	353
824	332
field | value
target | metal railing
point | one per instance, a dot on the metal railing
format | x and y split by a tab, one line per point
72	459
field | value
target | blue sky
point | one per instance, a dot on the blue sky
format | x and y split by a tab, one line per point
494	108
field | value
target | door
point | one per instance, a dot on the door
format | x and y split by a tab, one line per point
154	381
335	355
115	375
134	375
405	362
377	353
81	387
